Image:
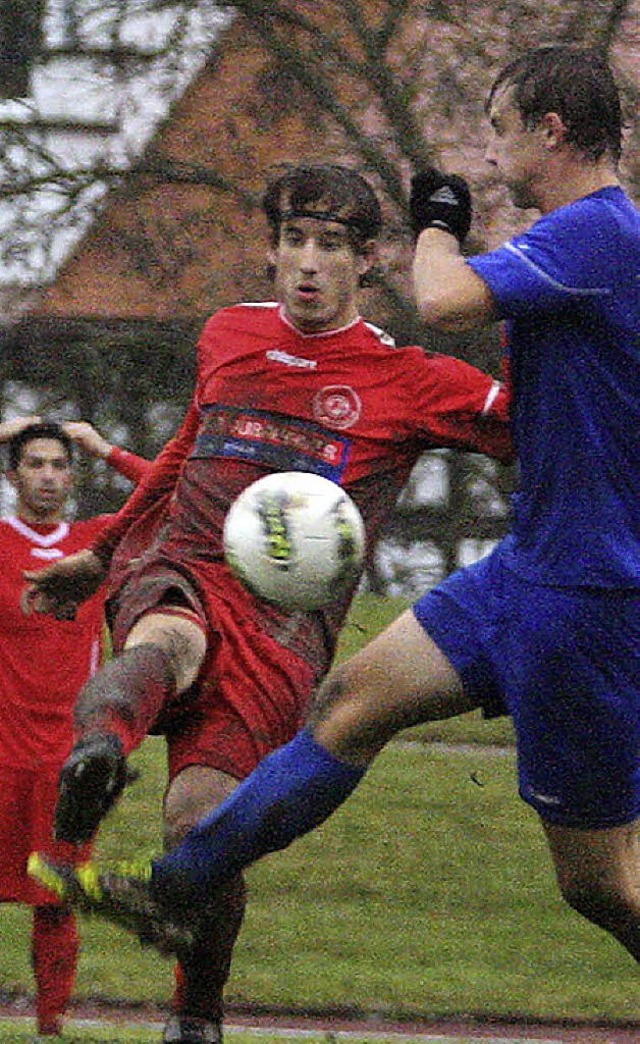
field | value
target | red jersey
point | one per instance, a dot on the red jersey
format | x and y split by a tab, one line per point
43	662
347	404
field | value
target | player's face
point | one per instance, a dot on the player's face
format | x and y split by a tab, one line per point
517	153
43	480
317	274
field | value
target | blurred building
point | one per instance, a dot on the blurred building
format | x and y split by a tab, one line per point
163	119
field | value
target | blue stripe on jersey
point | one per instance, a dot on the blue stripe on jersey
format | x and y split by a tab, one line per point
281	441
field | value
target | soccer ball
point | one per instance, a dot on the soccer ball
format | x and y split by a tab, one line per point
295	539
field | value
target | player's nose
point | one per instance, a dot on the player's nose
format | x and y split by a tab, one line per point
489	154
308	257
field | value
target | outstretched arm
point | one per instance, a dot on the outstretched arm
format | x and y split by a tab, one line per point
60	588
159	480
9	429
92	442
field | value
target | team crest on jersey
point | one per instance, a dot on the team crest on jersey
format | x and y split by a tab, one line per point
337	405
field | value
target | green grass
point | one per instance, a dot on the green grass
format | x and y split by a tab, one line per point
429	893
12	1032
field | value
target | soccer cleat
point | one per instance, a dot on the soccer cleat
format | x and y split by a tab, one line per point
92	779
122	895
182	1029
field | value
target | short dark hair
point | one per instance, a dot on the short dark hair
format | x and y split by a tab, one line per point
342	194
575	82
44	430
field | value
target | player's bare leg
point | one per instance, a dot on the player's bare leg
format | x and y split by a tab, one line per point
598	873
204	967
117	707
398	680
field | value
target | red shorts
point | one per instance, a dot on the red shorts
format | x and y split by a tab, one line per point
259	672
27	804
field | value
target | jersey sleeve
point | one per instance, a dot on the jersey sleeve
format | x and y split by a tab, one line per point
461	407
561	261
159	481
128	464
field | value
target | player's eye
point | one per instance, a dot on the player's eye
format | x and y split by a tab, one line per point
292	236
331	242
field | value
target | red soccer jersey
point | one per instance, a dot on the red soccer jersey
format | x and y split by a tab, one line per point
347	404
43	662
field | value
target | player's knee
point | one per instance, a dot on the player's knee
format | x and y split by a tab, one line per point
345	718
179	818
602	901
195	791
180	638
174	832
328	696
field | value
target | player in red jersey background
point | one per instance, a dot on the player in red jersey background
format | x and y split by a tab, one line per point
303	383
43	665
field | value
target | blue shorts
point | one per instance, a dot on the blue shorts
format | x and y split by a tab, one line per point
565	663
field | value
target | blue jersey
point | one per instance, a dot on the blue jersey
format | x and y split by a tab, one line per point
569	289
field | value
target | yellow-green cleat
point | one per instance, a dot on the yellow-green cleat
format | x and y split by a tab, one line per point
121	894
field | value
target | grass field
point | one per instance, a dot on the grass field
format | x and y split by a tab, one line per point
429	893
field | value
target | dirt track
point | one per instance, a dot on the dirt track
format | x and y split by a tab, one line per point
337	1024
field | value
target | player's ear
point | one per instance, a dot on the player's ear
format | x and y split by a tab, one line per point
70	481
272	262
11	477
367	257
554	130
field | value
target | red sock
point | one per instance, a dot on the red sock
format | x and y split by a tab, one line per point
54	956
201	977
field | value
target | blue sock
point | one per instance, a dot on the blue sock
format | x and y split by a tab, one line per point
291	791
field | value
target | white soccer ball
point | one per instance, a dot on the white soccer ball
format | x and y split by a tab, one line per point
295	539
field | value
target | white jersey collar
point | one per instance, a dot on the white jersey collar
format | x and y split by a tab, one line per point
43	539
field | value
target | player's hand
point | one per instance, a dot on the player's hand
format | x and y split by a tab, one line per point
9	429
86	436
60	588
440	201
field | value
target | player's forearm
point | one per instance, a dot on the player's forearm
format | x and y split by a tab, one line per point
160	479
9	429
449	294
128	464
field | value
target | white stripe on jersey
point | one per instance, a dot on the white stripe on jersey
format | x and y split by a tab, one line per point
43	539
382	335
494	391
586	292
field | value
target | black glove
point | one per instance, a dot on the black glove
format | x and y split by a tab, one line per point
440	201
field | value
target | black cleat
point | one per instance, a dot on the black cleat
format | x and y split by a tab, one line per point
121	894
91	781
182	1029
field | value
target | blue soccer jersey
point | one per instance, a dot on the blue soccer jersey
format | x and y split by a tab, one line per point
569	289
